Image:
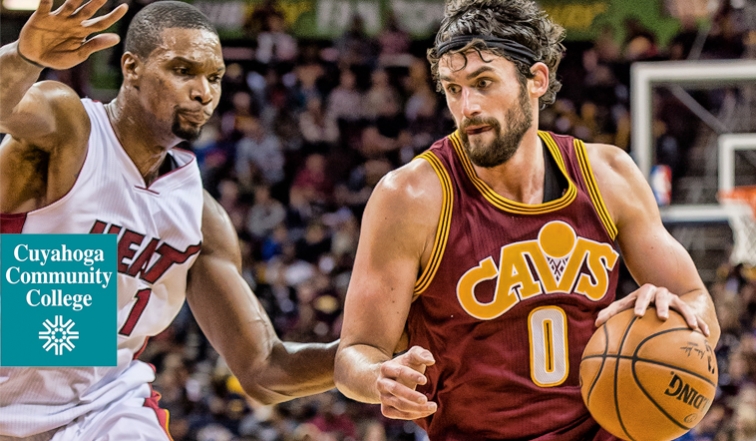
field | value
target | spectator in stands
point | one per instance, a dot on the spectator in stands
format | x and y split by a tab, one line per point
394	43
259	157
274	45
319	129
355	47
345	101
313	180
309	71
228	191
265	215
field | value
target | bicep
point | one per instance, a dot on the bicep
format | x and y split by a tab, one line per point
228	312
653	256
225	307
651	253
385	270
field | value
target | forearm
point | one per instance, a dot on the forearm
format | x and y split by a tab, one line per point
357	370
16	77
292	370
701	302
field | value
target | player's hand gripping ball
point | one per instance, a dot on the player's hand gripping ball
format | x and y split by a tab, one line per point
644	379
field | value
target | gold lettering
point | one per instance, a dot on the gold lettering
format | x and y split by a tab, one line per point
486	270
577	17
601	260
515	278
294	9
514	272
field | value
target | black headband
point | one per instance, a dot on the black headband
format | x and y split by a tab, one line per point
510	48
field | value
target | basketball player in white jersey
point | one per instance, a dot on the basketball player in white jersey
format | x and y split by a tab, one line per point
71	165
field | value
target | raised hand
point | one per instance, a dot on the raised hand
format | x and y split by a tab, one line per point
397	382
59	39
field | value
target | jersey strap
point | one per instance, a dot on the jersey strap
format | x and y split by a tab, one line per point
593	190
444	223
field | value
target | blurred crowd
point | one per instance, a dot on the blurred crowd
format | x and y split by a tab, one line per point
732	416
306	129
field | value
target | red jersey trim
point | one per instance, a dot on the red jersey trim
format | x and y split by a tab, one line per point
12	223
444	223
511	206
593	189
163	416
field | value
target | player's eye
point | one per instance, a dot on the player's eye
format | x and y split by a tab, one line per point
483	83
452	89
181	70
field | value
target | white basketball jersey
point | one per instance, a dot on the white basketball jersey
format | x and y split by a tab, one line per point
159	236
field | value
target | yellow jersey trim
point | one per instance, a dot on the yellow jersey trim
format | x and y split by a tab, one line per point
593	189
444	223
508	205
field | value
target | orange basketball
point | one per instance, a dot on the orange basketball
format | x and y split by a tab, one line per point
644	379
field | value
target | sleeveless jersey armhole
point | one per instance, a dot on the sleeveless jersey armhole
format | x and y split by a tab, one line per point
593	189
444	223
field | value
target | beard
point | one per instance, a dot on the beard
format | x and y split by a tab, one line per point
190	133
505	143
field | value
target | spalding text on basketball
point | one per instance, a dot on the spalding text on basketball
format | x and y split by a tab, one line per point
562	261
685	393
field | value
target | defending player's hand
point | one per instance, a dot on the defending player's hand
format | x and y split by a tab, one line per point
397	382
661	298
59	39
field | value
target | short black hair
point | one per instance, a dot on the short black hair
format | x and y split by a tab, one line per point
146	28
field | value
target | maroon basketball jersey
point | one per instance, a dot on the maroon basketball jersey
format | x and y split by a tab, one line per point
508	300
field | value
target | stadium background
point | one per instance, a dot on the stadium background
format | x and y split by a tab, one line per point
324	97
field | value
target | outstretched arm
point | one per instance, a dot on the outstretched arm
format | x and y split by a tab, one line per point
46	121
658	263
55	39
232	318
397	233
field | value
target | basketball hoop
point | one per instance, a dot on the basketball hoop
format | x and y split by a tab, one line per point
740	204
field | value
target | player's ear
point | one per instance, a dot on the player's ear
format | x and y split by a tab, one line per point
539	84
131	66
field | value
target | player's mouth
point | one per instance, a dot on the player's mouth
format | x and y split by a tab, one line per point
477	130
197	118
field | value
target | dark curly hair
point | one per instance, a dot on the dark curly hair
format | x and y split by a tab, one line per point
519	20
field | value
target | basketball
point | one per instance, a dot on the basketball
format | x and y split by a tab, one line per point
648	379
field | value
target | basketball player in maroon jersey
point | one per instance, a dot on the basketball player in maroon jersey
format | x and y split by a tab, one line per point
71	165
495	252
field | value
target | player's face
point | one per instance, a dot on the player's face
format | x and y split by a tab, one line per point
490	104
181	83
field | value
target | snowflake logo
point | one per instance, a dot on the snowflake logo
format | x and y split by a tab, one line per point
58	335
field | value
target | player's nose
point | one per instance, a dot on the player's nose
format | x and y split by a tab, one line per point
202	91
470	104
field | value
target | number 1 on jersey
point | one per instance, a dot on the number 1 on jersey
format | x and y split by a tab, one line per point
142	296
549	354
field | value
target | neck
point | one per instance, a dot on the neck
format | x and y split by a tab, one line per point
146	148
519	179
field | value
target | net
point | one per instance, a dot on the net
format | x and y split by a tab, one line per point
740	204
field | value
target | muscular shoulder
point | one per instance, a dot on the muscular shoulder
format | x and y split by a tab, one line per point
51	116
623	187
58	94
219	237
609	161
46	147
412	189
404	210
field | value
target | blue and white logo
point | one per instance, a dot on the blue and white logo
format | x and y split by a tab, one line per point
58	335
